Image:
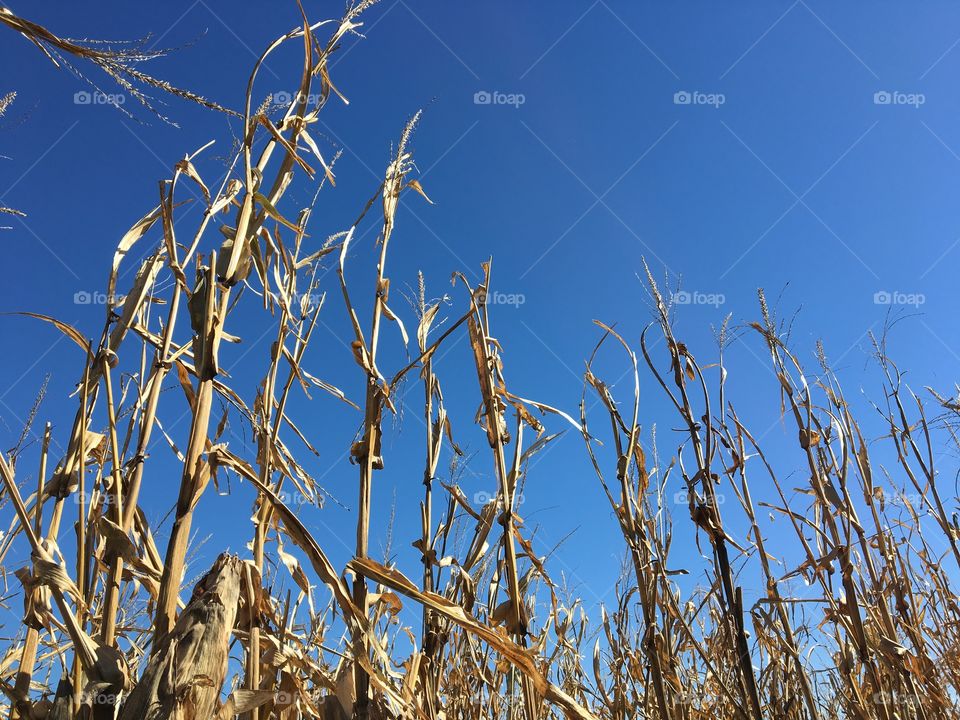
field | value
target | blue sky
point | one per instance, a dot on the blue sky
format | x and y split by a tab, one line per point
805	147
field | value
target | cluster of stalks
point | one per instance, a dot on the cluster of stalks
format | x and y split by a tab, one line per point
848	611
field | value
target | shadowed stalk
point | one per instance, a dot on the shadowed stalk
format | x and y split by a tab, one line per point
207	313
28	656
489	373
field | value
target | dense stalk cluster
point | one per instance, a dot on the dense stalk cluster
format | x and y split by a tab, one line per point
109	633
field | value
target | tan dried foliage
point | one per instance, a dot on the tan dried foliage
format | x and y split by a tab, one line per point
873	635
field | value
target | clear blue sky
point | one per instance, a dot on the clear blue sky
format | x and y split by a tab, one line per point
806	147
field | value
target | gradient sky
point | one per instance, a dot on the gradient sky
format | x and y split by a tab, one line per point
810	148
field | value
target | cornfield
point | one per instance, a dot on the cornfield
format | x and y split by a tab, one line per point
114	625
